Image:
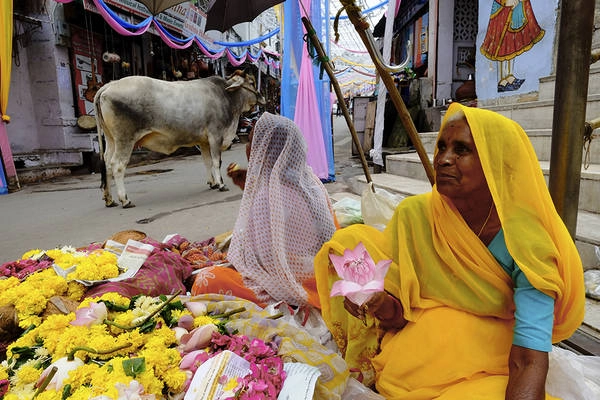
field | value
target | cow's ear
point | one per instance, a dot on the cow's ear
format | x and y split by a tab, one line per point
234	82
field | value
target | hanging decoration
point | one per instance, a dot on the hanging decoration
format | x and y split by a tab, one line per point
353	69
350	62
364	12
126	28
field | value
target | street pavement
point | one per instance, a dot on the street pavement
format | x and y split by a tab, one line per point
171	196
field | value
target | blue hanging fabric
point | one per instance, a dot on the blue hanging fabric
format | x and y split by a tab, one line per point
293	46
3	184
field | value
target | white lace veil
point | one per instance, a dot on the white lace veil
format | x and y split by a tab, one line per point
285	214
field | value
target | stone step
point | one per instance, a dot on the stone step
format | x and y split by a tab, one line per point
541	140
588	223
539	114
409	165
548	83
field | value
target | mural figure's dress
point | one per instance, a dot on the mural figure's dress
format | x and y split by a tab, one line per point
512	30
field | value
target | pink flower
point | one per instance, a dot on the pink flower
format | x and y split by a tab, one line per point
192	360
135	391
360	276
95	314
197	339
186	321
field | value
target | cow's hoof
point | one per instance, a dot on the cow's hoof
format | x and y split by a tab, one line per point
111	204
223	189
213	187
128	205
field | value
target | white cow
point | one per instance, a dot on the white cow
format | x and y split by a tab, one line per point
163	116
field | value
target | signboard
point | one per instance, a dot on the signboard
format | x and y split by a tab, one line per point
87	51
184	19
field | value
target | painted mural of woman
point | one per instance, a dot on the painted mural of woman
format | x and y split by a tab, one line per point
512	30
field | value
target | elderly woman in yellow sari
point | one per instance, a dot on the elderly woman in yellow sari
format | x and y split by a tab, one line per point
484	275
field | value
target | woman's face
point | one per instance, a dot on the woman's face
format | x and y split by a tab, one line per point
458	172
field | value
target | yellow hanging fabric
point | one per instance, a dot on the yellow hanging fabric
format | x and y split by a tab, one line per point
6	34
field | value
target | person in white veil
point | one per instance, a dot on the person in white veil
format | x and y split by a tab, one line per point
285	217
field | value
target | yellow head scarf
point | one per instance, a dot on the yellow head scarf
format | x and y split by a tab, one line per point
535	235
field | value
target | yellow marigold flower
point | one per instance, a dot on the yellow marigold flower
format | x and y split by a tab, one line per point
162	359
83	393
31	254
50	395
28	374
116	299
122	319
111	373
75	290
82	375
6	284
95	266
26	322
151	384
161	337
3	372
177	314
137	339
174	379
204	320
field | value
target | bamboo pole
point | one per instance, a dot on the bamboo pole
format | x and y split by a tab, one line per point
362	26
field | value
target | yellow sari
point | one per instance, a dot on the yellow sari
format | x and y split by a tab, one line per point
457	298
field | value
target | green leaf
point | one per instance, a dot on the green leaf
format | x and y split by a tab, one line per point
134	366
114	307
66	392
147	326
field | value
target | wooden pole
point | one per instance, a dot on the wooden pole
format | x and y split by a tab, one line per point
361	26
570	101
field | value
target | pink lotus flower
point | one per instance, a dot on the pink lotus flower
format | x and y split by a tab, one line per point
192	360
197	339
95	314
360	276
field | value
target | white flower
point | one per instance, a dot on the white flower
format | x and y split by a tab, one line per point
64	366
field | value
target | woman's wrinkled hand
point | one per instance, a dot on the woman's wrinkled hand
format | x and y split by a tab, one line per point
237	175
383	306
369	307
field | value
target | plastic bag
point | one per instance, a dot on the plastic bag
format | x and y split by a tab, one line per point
572	376
378	207
592	283
347	212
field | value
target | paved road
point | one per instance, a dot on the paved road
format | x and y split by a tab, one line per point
171	196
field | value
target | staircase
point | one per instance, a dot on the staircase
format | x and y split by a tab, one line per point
405	175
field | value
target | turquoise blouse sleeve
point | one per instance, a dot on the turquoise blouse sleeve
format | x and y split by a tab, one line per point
534	315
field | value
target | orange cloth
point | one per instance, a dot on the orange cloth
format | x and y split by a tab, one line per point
223	280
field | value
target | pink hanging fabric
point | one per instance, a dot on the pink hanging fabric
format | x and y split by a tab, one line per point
307	113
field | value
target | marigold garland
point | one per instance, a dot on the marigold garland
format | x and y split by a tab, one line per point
132	347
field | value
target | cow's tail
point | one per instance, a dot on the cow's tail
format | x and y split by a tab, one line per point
100	126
